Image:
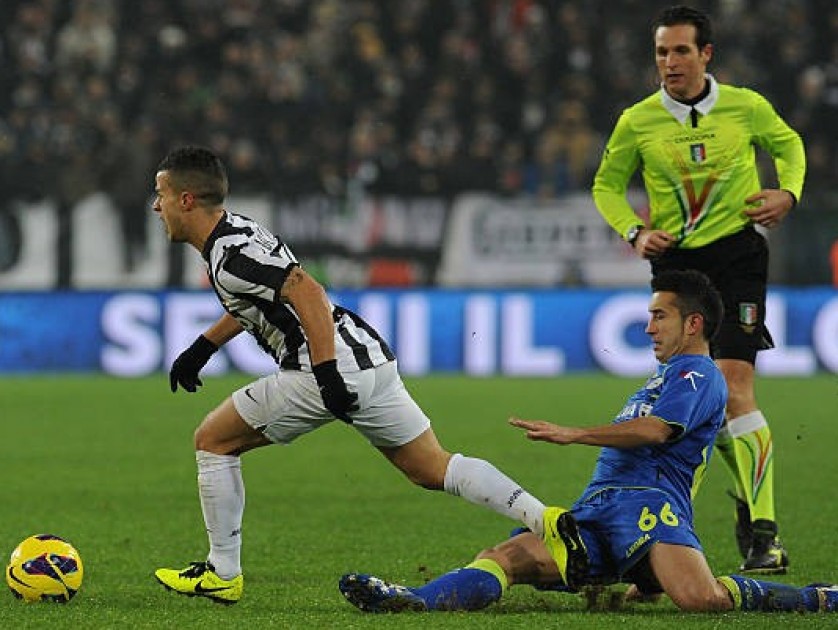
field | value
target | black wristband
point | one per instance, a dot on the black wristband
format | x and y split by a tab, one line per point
325	372
203	348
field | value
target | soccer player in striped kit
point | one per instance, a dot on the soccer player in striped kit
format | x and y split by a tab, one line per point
332	364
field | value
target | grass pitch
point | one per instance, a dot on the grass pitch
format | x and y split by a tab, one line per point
109	465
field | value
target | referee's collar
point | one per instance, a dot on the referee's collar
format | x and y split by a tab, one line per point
681	112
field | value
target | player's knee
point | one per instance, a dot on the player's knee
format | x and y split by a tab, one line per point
491	553
740	384
201	440
424	469
700	598
427	476
204	439
740	403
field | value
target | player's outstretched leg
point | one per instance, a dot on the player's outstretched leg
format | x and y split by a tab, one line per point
757	595
473	587
200	579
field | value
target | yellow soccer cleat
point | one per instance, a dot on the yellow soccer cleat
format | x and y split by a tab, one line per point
200	579
563	541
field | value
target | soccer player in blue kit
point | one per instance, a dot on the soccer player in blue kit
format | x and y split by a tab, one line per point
634	521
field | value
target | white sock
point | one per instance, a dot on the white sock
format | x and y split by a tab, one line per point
747	423
479	482
221	488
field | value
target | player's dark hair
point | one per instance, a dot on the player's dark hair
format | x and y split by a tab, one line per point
694	293
197	170
681	14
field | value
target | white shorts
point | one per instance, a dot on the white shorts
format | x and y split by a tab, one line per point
287	404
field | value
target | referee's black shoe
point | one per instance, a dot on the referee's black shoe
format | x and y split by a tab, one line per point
767	556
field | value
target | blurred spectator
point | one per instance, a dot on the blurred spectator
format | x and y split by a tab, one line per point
127	162
87	41
566	153
425	97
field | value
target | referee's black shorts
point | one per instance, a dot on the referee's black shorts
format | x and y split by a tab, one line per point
738	267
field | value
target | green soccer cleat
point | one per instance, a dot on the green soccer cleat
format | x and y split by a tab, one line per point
563	541
200	579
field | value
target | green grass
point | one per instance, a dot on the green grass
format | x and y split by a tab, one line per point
108	464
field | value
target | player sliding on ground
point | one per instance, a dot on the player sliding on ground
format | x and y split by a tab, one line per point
634	521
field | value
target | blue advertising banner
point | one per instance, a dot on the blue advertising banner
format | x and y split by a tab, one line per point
521	333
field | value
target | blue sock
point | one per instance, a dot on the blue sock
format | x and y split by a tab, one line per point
750	594
461	589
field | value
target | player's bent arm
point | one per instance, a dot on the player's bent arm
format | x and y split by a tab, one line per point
223	330
784	144
312	306
641	431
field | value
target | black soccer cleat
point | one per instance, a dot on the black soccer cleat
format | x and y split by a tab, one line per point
767	556
372	594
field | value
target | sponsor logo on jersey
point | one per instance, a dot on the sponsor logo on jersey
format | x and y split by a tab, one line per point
694	137
691	376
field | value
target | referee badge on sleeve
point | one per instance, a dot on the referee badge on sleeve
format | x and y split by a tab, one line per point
748	316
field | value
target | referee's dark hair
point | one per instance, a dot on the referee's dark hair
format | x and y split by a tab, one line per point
694	293
198	170
682	14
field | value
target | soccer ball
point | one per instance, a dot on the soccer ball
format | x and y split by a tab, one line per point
44	568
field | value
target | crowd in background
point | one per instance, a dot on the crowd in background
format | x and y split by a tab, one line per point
416	97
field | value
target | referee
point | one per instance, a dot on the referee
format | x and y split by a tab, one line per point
694	142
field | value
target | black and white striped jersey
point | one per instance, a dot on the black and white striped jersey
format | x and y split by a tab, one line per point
247	266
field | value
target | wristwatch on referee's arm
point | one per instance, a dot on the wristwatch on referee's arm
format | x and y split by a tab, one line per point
633	234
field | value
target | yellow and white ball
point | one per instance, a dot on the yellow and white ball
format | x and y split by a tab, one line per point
45	568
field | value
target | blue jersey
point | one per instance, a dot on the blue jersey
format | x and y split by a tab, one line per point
689	394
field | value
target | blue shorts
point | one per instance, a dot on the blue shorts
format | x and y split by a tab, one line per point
620	525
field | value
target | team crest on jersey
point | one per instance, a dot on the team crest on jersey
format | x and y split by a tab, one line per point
748	314
698	153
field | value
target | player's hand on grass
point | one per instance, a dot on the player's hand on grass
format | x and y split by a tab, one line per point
185	369
541	431
336	397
